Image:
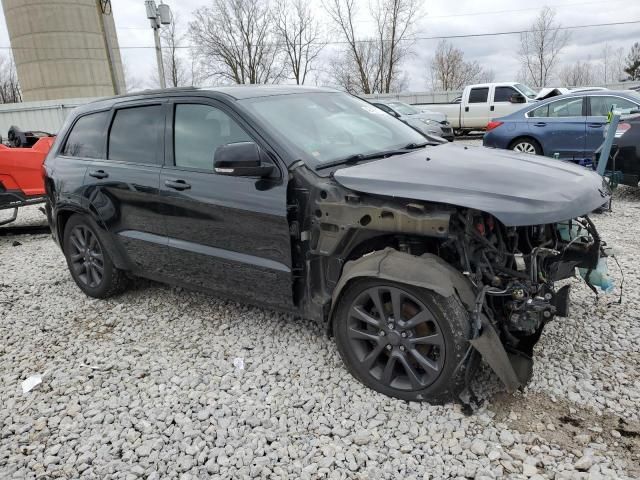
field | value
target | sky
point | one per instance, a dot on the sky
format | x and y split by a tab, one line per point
438	18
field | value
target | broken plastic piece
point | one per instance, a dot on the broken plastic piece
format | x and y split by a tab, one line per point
31	382
599	277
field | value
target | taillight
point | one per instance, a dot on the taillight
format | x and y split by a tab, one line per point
622	129
493	124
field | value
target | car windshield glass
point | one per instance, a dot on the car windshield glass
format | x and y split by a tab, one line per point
325	127
403	108
526	90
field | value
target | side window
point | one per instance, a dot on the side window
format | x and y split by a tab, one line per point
135	134
479	95
542	111
601	106
503	94
198	130
87	136
569	107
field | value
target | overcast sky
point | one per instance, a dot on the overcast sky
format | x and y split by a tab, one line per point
439	18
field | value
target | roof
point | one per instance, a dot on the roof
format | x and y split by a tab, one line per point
237	92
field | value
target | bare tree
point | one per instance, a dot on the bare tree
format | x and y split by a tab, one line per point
577	74
235	42
300	35
175	69
541	46
450	71
373	64
394	20
9	88
610	67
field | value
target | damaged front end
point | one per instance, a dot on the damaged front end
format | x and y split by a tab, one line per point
514	271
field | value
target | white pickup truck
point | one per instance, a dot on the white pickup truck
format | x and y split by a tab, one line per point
482	102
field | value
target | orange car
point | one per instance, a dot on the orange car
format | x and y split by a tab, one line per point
21	181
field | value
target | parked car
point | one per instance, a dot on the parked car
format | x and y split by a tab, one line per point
314	202
425	122
570	126
624	161
479	103
21	181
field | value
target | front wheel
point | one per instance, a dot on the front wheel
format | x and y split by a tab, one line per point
403	341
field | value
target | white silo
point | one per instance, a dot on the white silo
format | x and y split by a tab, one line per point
64	48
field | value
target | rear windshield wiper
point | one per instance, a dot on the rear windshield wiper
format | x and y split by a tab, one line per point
359	157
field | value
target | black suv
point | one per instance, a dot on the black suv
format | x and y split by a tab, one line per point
419	259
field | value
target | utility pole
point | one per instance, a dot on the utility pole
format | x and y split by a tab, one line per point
158	16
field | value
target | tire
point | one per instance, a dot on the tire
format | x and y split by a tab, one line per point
89	262
377	354
526	145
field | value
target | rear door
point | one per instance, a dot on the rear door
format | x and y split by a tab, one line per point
559	126
124	187
227	234
476	111
599	108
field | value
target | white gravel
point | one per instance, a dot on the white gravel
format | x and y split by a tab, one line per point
144	385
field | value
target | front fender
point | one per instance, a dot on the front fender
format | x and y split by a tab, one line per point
426	271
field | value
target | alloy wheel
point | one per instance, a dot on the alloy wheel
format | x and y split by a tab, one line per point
395	338
525	147
87	259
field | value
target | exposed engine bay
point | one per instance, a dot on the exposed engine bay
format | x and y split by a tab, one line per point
510	271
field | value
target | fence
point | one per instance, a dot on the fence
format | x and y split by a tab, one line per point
47	115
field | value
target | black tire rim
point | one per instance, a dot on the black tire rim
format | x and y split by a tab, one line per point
395	338
87	259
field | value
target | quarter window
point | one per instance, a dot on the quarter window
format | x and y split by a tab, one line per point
479	95
601	106
135	134
199	130
87	136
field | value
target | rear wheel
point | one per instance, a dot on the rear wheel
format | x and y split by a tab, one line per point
403	341
89	263
526	145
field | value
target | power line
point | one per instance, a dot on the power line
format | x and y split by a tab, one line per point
435	37
516	10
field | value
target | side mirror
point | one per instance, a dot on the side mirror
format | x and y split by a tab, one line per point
517	98
242	159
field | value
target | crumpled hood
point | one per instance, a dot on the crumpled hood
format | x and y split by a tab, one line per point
518	189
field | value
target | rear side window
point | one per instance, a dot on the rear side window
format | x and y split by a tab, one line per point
503	94
87	136
601	106
570	107
135	134
199	130
479	95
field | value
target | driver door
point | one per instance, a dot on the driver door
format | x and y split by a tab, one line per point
225	234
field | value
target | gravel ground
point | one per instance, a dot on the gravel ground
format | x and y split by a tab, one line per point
165	383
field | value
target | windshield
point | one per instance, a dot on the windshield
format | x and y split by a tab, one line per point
403	108
526	90
326	127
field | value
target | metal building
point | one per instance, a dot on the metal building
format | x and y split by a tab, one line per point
64	48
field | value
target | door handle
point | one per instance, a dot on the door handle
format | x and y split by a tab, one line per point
492	108
466	109
177	184
540	124
595	125
98	174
